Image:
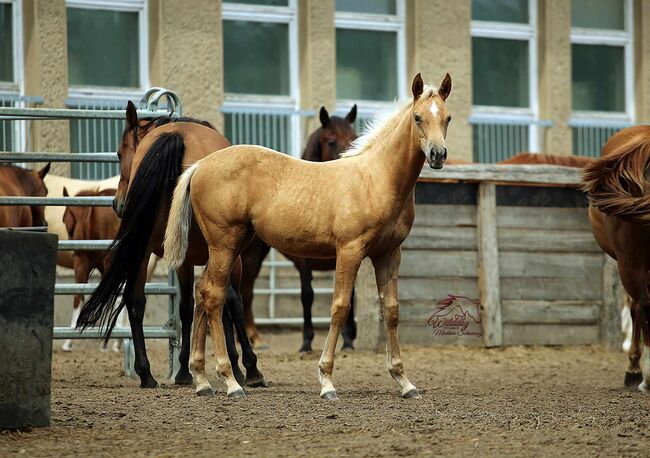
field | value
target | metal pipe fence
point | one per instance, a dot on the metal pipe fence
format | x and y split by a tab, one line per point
590	135
149	104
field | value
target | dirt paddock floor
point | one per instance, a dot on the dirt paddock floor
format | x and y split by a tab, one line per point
521	401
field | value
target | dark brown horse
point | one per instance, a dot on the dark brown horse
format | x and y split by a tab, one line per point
325	144
619	212
88	223
152	155
16	181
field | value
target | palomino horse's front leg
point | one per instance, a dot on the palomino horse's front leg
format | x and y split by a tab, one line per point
386	269
347	266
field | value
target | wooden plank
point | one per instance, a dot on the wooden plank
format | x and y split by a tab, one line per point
538	218
445	215
441	238
488	265
540	288
436	288
547	240
550	174
585	266
613	293
426	264
548	312
423	335
550	334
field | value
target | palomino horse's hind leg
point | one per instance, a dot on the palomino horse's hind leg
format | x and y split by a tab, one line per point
350	328
199	330
213	287
348	261
386	269
185	275
135	306
633	375
235	309
307	299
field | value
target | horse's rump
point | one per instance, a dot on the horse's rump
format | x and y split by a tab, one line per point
617	183
552	159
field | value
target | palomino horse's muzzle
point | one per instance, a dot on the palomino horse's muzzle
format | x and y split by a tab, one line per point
437	157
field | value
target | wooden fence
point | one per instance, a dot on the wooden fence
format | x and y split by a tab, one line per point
515	238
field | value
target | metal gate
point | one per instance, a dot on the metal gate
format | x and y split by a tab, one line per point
149	108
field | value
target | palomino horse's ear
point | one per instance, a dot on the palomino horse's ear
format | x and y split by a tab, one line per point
445	87
352	115
44	170
131	114
65	192
324	117
417	87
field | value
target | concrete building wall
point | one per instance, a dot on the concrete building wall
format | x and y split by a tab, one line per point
642	60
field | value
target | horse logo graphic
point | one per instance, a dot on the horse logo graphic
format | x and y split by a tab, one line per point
456	316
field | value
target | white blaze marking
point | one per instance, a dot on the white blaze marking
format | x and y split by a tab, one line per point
434	109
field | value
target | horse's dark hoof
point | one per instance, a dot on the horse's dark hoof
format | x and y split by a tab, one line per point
330	396
207	392
183	378
148	382
256	380
237	394
632	379
306	348
412	394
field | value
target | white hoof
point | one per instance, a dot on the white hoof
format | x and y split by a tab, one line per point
644	388
117	346
67	345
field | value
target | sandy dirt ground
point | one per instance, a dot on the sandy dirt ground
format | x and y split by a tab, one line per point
519	401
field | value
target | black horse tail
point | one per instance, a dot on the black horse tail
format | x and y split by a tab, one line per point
153	182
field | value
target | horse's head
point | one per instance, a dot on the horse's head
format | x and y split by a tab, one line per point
431	118
34	186
333	137
134	132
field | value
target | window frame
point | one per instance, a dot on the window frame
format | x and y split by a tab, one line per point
290	103
519	32
377	23
100	92
608	37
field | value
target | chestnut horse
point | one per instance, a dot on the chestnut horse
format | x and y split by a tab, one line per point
369	213
619	212
88	223
16	181
152	155
324	144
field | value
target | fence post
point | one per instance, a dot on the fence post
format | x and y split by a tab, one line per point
488	264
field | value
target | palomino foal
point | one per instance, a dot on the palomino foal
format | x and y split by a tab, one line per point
275	196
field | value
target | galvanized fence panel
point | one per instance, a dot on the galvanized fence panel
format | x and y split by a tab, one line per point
590	135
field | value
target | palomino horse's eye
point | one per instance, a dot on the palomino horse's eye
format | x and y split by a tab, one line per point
418	119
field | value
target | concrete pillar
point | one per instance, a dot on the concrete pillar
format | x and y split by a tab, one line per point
642	61
186	54
439	41
317	48
554	47
46	72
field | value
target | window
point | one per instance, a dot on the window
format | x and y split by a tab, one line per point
601	71
504	78
260	47
12	136
370	54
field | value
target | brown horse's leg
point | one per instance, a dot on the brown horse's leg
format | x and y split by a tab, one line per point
350	328
633	374
252	258
307	299
185	275
386	269
213	288
81	268
348	260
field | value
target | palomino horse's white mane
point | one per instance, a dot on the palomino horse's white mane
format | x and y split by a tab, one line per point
379	122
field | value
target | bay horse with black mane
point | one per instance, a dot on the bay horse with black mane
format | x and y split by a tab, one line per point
370	213
619	212
326	143
152	155
16	181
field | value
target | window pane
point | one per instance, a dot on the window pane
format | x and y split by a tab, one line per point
6	43
598	14
367	6
261	2
598	77
500	72
256	57
500	10
366	65
103	48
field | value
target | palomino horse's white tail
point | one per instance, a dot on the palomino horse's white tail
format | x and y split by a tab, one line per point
180	218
